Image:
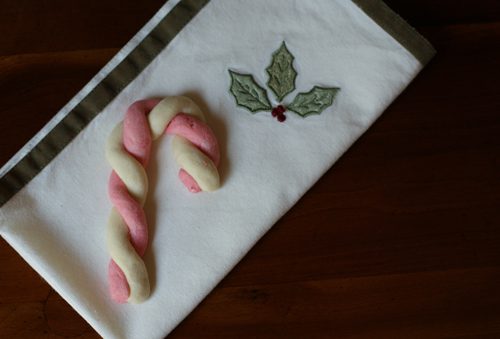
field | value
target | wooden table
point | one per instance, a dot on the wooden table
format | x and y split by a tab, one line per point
400	239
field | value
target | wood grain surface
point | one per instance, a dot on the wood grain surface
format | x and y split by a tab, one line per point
400	239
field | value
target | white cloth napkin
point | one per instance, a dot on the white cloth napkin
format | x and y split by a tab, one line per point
57	220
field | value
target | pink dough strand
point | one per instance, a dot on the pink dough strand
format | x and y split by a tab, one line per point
136	141
200	135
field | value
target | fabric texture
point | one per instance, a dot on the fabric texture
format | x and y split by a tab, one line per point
57	220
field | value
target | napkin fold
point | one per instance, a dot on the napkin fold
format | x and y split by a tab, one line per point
53	198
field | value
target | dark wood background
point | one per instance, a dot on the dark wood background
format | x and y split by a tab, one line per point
400	239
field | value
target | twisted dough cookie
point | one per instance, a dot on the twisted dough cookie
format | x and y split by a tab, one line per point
127	150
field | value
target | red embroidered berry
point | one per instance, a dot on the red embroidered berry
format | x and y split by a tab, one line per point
281	117
280	109
274	112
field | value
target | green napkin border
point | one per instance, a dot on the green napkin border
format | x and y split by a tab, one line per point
126	71
398	28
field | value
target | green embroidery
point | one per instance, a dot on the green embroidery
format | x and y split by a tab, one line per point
248	93
313	102
282	75
281	72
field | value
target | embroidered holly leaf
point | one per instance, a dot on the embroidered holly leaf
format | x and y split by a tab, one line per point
248	93
313	102
281	72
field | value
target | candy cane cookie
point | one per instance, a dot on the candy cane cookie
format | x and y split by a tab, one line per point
196	151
